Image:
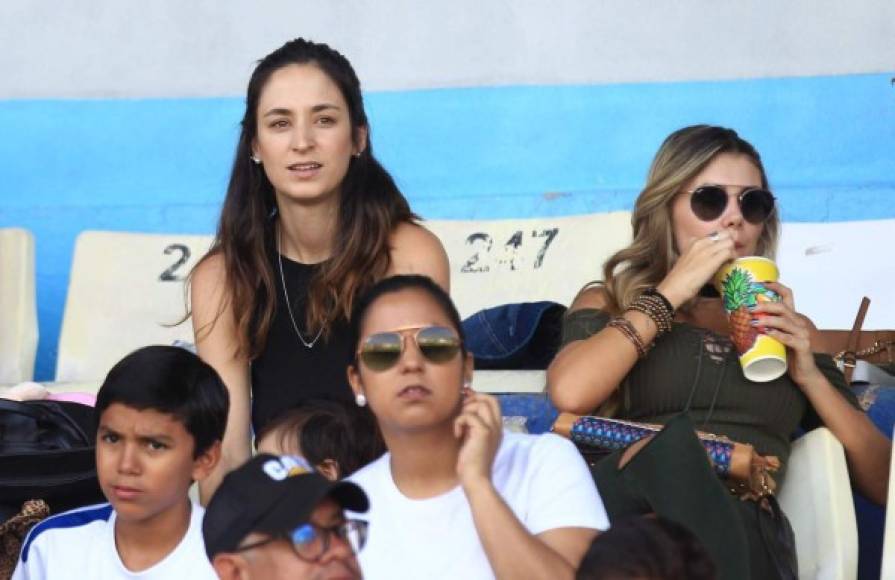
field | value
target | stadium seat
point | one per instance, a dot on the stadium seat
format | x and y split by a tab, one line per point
526	260
888	569
126	290
18	307
817	498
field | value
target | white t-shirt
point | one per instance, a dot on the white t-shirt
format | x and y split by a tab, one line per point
80	544
542	478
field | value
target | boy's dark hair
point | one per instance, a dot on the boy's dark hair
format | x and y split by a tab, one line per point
329	429
648	548
170	380
396	284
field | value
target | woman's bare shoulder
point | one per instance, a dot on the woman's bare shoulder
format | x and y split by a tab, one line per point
209	272
409	236
592	296
416	250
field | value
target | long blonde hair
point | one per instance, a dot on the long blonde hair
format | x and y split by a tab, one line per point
652	252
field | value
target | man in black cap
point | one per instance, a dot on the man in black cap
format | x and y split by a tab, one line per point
275	517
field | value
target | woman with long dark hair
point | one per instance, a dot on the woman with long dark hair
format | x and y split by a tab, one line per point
310	220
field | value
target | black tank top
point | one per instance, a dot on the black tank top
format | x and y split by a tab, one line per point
287	373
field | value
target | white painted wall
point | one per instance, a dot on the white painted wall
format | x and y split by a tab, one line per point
175	48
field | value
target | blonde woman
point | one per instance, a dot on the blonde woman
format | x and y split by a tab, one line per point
650	343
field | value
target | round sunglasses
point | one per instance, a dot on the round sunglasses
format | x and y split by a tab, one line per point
311	542
381	351
708	202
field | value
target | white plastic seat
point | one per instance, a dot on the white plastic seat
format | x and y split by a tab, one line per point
126	291
526	260
888	565
817	498
502	382
18	306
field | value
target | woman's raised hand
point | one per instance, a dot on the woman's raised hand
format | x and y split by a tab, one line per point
780	320
696	266
479	428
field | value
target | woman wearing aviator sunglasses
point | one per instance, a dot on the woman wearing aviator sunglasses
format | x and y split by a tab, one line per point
650	342
455	497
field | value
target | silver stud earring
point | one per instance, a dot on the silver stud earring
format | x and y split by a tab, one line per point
360	399
255	159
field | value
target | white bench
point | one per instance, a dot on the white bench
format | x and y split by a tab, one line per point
126	289
18	307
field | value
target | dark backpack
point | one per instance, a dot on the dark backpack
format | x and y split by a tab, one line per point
47	451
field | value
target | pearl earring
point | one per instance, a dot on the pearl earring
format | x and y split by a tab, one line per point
255	159
360	400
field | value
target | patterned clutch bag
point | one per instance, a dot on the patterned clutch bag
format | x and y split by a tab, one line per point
746	472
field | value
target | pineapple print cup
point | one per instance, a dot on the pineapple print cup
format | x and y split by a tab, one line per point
740	284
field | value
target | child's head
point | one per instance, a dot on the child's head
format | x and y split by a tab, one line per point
646	548
336	438
161	415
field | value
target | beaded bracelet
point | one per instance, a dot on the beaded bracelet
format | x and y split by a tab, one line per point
655	310
624	326
652	304
653	291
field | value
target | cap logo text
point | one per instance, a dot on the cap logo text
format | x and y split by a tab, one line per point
286	466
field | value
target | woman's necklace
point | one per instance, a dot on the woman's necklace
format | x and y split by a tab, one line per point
288	305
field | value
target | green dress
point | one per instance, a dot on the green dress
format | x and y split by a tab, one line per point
695	371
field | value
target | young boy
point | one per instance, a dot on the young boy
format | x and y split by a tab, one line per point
161	414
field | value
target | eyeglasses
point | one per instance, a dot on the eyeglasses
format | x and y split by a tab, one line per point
708	202
381	351
311	542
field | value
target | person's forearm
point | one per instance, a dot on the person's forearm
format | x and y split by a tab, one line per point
867	450
585	373
512	551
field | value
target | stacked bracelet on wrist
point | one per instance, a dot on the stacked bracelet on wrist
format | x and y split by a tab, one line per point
654	305
624	326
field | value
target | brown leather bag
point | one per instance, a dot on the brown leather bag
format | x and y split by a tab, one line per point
849	346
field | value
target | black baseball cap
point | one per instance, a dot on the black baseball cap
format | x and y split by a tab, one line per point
272	495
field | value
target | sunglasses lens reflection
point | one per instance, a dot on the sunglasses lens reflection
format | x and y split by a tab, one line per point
438	344
381	351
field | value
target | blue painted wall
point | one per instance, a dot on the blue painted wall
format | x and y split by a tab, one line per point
161	165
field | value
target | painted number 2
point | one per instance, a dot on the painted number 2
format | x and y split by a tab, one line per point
170	274
510	255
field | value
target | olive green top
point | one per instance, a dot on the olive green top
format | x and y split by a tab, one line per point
695	369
